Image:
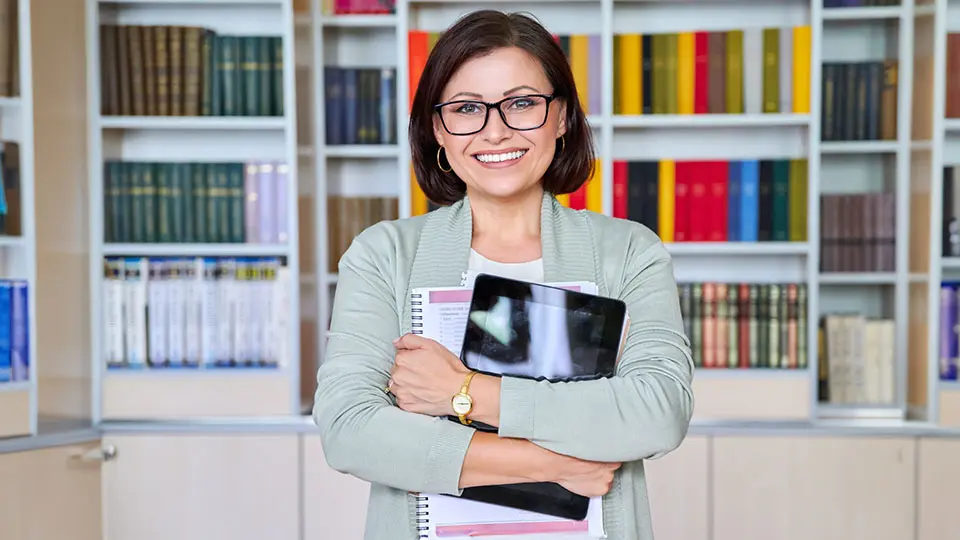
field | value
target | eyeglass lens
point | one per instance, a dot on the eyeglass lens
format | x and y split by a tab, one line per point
521	113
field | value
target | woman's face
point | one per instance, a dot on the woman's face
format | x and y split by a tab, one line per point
499	161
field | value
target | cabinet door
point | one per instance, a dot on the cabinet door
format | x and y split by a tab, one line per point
938	489
677	486
335	504
808	487
200	487
51	493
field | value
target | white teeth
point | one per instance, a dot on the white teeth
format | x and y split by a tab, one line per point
497	158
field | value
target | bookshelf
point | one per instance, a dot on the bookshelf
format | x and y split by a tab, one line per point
18	249
865	172
934	390
193	209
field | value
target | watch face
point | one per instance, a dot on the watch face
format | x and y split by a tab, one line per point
462	403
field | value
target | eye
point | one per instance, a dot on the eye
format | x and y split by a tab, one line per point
522	103
468	108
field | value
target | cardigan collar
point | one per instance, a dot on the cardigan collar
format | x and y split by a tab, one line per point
443	249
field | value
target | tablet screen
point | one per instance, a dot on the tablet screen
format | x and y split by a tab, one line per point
541	332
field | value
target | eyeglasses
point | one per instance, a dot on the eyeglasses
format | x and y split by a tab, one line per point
522	113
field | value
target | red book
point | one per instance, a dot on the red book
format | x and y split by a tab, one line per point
620	192
717	182
699	203
681	201
701	79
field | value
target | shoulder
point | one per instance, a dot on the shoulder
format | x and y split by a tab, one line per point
626	249
384	247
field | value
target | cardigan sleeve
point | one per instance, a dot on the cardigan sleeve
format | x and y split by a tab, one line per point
362	432
641	412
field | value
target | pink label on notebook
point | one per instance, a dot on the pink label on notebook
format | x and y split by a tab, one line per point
464	295
506	529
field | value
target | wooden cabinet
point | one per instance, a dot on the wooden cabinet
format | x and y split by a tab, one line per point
938	489
809	487
335	504
677	486
164	486
50	494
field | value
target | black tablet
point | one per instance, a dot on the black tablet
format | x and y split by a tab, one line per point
540	332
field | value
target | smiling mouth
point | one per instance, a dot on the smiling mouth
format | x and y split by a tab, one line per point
501	157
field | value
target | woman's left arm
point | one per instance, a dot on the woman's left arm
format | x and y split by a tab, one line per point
641	412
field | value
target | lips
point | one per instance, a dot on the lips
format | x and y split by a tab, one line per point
501	156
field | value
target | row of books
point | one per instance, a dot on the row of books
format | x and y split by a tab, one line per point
236	202
9	49
859	101
15	351
348	216
950	202
753	71
746	325
856	360
10	206
949	350
360	105
189	71
953	75
195	313
583	52
858	232
859	3
713	200
353	7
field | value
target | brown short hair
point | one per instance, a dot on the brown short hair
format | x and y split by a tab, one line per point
476	34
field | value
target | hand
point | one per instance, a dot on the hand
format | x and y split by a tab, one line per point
587	478
425	376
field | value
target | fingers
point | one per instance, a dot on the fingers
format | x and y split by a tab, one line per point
411	341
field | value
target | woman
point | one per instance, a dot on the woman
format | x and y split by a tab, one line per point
496	130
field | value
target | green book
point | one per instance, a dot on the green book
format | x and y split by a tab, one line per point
781	186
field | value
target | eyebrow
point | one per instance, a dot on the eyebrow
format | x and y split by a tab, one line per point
478	96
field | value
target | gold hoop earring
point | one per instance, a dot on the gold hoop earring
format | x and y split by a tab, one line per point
438	161
563	143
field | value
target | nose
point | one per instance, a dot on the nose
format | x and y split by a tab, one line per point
496	130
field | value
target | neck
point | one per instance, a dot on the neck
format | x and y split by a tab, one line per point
507	222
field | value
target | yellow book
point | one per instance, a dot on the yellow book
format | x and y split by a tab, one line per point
595	189
734	75
665	204
801	69
685	64
631	74
670	73
418	201
580	65
797	197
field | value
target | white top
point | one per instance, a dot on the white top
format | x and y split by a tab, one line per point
526	271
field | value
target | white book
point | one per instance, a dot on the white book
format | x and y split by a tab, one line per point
209	312
113	294
281	314
157	313
440	313
226	303
177	312
193	311
135	311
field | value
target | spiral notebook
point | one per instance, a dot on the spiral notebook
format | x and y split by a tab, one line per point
441	314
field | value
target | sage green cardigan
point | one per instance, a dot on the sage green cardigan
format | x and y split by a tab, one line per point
641	413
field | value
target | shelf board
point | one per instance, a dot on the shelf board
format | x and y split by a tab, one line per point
14	386
952	386
361	151
862	13
196	250
710	120
12	241
359	20
9	102
952	125
738	248
193	122
859	147
950	262
858	278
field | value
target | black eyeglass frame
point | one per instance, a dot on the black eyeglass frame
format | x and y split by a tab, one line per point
495	105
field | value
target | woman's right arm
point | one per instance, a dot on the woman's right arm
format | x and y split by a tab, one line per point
364	434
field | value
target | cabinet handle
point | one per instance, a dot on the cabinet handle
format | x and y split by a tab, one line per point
105	453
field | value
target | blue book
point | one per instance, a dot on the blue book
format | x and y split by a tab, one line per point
733	201
749	215
20	332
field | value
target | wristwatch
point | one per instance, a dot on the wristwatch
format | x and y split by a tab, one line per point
462	402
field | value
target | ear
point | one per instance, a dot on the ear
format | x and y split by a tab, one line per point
562	121
438	129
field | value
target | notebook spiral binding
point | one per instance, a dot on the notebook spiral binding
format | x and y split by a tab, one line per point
416	314
422	516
